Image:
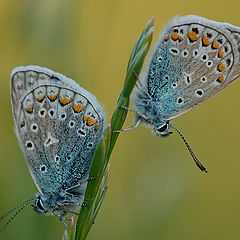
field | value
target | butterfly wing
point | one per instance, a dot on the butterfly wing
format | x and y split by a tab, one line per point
58	125
194	59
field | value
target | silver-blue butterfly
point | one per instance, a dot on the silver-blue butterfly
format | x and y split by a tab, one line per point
194	59
58	125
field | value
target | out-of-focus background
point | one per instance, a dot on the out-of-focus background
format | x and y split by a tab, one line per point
155	189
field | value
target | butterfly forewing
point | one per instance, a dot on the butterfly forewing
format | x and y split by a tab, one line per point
58	124
194	59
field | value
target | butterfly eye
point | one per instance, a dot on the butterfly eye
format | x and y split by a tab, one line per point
39	205
163	128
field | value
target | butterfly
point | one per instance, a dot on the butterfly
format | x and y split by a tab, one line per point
194	59
58	125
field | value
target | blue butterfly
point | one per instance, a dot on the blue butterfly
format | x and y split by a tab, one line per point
194	59
58	125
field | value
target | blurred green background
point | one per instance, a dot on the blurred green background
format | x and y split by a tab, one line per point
155	189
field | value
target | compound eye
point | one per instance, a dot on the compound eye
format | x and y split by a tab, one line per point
163	128
39	204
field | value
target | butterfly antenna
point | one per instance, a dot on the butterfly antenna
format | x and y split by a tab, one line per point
190	150
13	209
21	206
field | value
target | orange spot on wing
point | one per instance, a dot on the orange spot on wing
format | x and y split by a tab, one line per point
220	53
205	41
220	79
174	36
90	121
29	109
85	118
52	97
166	38
96	127
64	100
221	67
192	36
77	107
40	98
22	123
180	38
215	45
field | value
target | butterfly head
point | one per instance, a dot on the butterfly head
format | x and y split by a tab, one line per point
40	205
162	130
156	122
58	204
47	205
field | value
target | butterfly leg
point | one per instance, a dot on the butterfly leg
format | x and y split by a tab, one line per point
79	184
128	109
128	128
65	225
73	212
136	124
61	218
91	178
83	204
136	75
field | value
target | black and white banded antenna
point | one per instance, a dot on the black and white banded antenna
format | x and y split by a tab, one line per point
18	209
199	164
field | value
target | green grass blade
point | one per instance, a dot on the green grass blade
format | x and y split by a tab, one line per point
96	188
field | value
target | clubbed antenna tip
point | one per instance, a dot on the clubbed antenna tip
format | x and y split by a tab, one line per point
198	163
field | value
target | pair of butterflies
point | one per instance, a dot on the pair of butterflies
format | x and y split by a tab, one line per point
59	124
